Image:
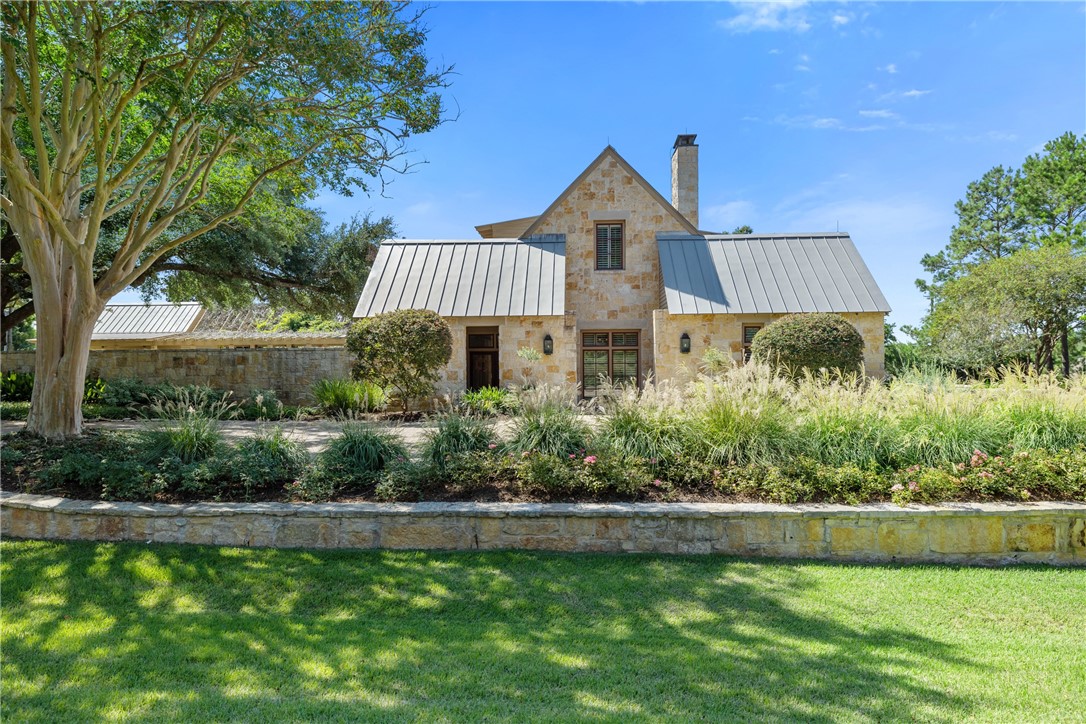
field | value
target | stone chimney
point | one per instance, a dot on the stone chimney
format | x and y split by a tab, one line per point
684	177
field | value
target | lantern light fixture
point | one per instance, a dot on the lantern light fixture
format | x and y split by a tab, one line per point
684	343
548	345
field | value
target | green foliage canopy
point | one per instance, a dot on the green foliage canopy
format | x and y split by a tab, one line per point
810	341
403	350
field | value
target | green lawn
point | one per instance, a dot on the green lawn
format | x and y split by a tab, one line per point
104	631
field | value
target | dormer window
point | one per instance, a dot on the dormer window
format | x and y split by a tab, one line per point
609	246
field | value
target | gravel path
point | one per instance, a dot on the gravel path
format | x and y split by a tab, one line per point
314	435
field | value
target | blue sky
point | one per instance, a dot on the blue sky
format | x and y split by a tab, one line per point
870	117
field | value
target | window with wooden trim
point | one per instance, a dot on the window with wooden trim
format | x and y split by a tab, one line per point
749	330
610	355
609	246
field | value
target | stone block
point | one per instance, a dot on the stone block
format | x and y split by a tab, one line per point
612	528
763	530
1032	537
803	530
307	533
965	535
1078	533
26	523
358	533
846	539
423	536
531	526
112	527
901	538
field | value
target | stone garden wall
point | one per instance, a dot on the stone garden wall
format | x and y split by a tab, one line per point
981	533
288	371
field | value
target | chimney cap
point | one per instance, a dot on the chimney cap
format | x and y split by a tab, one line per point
685	139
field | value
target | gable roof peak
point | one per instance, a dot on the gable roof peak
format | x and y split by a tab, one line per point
610	150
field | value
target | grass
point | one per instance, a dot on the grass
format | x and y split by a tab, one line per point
110	631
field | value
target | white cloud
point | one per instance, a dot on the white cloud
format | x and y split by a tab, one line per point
839	20
803	68
890	68
788	15
821	123
774	51
996	136
878	113
730	215
898	95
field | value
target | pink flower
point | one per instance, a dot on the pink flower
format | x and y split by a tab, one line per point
525	454
985	474
978	458
653	461
914	486
657	482
492	445
572	456
897	488
590	459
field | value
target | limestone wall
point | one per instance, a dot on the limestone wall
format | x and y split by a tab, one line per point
725	331
288	371
559	368
612	299
962	533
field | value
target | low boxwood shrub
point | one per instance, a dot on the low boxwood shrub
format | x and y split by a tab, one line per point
267	462
809	342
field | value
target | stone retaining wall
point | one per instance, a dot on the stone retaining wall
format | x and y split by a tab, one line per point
962	533
290	371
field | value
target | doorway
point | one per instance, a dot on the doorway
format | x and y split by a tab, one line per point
483	358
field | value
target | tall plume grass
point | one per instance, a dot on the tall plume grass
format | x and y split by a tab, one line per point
746	414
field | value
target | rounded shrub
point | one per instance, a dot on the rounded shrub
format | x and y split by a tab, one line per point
809	341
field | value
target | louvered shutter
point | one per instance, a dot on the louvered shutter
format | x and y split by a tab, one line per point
609	246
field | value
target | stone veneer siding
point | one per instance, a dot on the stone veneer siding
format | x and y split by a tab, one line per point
559	368
612	299
289	371
725	331
959	533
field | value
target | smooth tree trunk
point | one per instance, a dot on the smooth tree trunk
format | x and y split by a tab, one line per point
66	306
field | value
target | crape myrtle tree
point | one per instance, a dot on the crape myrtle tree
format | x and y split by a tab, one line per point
148	111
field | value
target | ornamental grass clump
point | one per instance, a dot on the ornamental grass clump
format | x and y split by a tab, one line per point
549	422
456	434
643	423
352	461
740	416
843	421
344	397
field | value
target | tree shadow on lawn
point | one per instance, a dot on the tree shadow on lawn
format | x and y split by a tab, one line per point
194	633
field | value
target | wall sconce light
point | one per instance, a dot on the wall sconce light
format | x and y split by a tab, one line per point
684	343
548	345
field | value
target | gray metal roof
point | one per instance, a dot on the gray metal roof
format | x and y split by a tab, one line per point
146	321
766	274
470	278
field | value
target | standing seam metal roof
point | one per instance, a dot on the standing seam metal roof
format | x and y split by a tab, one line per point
141	321
766	274
469	278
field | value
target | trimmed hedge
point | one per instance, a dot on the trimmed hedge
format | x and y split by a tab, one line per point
810	341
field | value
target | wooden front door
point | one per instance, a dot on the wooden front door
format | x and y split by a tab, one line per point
483	368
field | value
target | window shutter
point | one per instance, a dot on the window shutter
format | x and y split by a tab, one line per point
609	246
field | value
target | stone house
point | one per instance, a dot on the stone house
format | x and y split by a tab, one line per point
613	281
